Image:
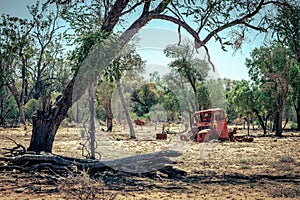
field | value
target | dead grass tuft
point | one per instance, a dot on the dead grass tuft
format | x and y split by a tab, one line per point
82	187
286	159
286	192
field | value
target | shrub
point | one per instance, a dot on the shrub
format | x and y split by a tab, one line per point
286	159
294	126
30	107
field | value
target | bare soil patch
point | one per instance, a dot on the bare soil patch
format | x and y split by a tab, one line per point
268	168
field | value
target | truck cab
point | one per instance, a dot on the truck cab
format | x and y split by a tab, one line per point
207	125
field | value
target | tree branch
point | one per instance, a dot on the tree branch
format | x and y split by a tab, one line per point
234	22
132	8
113	15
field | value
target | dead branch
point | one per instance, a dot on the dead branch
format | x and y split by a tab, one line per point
144	163
19	149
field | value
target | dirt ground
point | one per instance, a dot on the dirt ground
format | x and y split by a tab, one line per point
268	168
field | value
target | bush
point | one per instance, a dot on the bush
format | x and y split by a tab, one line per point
294	126
29	108
9	116
286	159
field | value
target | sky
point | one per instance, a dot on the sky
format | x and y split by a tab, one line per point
157	34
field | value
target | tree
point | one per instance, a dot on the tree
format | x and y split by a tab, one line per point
207	19
31	56
8	108
14	58
217	93
104	97
230	108
191	69
145	97
270	68
129	61
248	100
169	100
287	29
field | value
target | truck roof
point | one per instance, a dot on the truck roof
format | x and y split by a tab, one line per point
209	110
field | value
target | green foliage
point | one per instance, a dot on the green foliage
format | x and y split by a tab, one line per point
171	105
270	69
87	42
129	62
9	113
30	107
294	126
190	70
217	93
286	27
188	67
100	113
145	97
14	112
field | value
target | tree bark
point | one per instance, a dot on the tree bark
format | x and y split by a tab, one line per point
109	123
262	122
92	128
48	118
126	112
109	114
19	103
298	114
278	125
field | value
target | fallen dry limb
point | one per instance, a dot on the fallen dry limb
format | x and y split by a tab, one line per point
144	163
19	149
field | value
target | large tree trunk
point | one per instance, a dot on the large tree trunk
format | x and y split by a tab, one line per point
44	128
48	118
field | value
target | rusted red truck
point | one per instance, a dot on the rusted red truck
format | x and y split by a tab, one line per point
208	125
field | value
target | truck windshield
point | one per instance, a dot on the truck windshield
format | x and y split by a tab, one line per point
203	117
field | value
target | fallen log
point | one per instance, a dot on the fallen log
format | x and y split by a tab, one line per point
142	163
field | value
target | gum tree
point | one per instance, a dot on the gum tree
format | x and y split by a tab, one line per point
31	59
270	69
203	20
287	30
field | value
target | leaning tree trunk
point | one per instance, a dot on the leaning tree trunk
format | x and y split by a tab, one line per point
262	122
126	112
48	118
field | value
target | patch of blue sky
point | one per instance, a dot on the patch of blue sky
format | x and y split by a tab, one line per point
157	34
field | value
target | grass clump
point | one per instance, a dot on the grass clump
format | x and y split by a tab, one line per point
286	193
82	187
286	159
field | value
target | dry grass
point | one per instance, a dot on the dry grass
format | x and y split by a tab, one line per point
82	187
268	168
